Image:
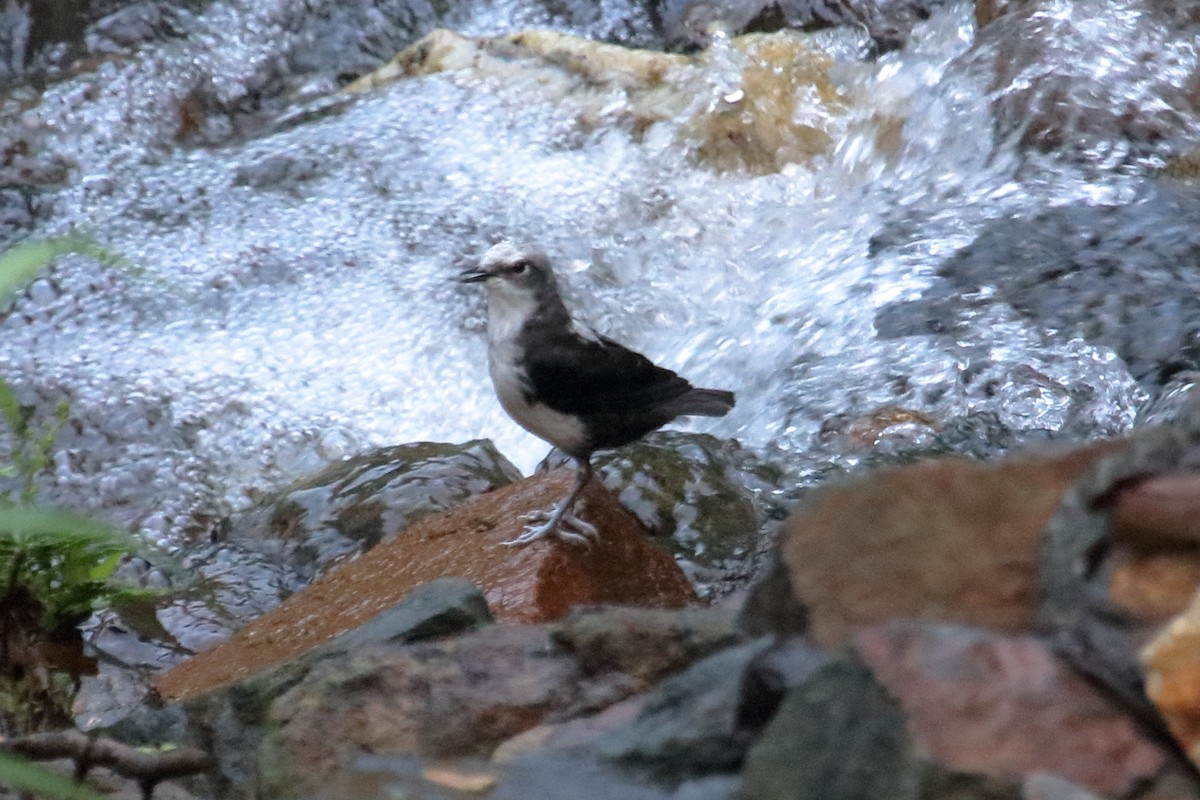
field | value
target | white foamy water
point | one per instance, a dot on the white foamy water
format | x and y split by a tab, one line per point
289	325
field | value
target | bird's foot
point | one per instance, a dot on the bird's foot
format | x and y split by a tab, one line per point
558	522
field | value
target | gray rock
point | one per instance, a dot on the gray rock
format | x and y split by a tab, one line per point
1048	786
1087	271
645	643
839	736
787	662
772	606
574	774
714	787
441	607
689	725
888	22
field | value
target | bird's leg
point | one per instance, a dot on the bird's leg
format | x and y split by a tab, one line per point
561	520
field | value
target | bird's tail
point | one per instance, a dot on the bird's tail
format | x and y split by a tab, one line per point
703	403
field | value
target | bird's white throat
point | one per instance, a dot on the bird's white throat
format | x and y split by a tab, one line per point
508	310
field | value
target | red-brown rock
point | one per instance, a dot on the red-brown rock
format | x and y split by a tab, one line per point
1162	509
951	540
535	583
1006	707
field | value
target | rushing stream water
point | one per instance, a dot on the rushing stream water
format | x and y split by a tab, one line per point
298	302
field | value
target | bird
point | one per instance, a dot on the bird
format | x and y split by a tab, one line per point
568	385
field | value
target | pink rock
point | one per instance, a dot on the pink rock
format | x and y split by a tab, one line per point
1006	707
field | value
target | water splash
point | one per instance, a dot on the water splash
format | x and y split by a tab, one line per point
306	308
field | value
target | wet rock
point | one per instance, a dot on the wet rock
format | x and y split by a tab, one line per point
282	171
887	427
1139	102
1085	270
15	23
949	539
939	711
538	582
708	500
644	643
351	506
988	11
748	126
134	25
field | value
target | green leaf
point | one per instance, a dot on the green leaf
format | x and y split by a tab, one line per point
43	525
23	776
22	264
10	409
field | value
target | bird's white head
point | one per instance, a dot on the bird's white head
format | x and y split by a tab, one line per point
519	280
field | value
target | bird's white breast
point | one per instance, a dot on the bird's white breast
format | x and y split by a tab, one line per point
511	383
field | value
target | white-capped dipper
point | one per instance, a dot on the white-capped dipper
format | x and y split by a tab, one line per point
568	385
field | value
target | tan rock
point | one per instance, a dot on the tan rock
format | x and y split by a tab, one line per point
539	582
752	124
1154	523
1172	669
1006	707
1152	587
950	540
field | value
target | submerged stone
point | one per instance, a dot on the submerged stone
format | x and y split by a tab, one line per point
753	124
353	505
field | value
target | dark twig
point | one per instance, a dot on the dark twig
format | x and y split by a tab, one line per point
147	768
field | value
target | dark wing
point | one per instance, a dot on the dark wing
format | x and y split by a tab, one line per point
580	376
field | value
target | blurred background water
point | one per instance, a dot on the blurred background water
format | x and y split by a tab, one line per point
987	246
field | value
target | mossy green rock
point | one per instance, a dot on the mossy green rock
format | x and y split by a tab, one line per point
706	499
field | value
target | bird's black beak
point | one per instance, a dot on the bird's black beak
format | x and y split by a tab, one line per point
472	275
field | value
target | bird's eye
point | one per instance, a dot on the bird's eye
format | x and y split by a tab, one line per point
520	268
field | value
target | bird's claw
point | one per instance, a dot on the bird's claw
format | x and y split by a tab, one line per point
563	524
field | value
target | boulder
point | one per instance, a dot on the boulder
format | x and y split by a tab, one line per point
949	539
439	714
707	500
751	126
928	710
538	582
352	505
